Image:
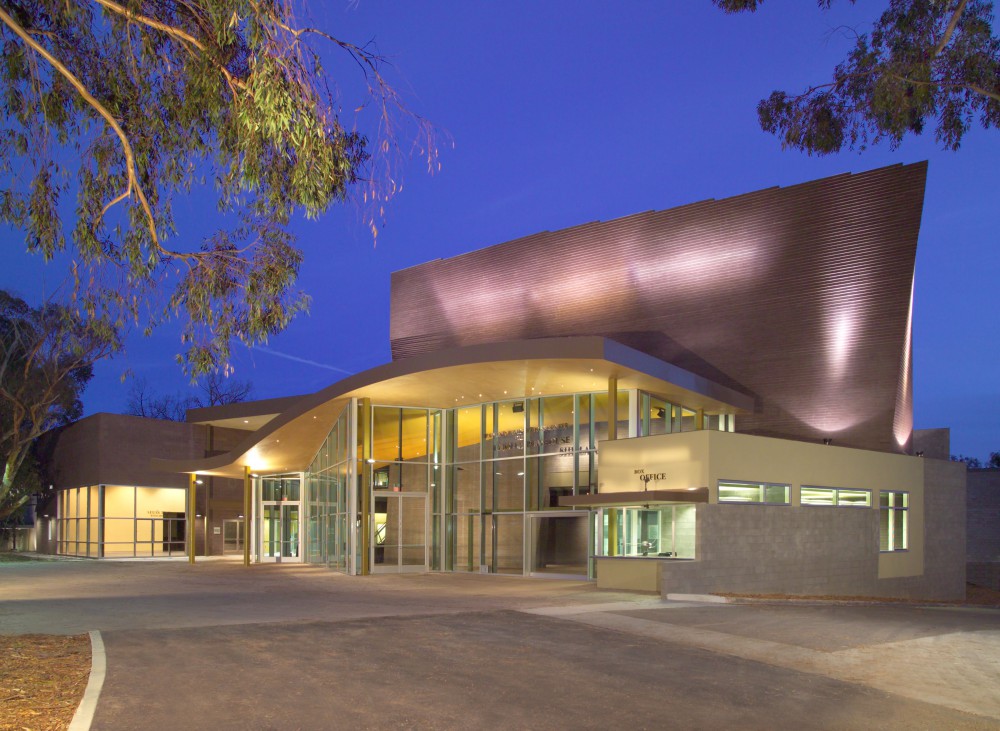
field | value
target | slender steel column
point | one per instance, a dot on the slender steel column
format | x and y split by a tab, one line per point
192	493
247	514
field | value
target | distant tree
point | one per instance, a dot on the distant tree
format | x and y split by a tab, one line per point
46	359
972	463
122	105
924	62
215	390
994	461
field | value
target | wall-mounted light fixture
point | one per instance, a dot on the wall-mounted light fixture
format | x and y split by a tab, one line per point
828	441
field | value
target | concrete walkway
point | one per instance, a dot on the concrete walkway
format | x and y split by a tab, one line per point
220	646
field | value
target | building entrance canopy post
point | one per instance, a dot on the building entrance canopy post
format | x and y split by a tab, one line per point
192	489
247	513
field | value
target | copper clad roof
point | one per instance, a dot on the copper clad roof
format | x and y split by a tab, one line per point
800	296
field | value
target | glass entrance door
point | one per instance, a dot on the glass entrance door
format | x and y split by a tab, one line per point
232	537
399	532
280	540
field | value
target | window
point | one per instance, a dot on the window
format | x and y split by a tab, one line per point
767	493
893	520
666	531
840	497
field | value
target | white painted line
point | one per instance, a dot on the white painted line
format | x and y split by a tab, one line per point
84	715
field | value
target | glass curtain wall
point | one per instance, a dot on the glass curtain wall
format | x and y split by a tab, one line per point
403	470
329	499
508	459
657	416
108	521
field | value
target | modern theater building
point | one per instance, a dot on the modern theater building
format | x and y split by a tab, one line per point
713	398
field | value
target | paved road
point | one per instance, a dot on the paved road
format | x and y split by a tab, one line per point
219	646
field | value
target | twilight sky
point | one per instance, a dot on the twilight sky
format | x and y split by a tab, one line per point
571	111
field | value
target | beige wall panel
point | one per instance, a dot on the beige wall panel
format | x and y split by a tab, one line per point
628	574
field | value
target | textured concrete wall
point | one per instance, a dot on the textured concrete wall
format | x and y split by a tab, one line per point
766	549
983	528
116	449
761	549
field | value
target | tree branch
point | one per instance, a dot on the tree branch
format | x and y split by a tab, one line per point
130	166
170	30
952	24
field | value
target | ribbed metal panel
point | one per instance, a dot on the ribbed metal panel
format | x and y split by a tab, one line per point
798	295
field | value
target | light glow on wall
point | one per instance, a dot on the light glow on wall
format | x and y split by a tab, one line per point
902	422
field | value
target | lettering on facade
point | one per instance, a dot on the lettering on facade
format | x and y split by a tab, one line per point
155	513
647	477
537	438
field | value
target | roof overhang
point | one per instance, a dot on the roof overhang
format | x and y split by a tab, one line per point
245	415
468	375
635	497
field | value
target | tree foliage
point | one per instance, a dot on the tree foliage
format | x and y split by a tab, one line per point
214	389
127	104
46	359
923	63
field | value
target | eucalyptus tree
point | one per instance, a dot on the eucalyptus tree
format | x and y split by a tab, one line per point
111	109
923	63
47	354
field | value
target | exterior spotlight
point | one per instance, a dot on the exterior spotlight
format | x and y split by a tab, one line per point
199	482
828	441
197	515
919	454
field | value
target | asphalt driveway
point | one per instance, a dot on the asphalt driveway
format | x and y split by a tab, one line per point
220	646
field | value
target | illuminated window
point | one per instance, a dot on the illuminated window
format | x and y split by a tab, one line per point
764	493
839	497
894	510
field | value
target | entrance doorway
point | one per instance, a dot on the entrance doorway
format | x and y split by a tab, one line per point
280	538
559	544
399	532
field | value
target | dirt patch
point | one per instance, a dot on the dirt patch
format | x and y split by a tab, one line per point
42	679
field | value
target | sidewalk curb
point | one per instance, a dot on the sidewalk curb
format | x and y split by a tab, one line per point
84	715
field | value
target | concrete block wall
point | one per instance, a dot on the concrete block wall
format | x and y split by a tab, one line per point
781	549
983	528
824	551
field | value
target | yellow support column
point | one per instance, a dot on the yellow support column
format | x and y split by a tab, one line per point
612	532
612	407
247	513
699	419
192	494
365	442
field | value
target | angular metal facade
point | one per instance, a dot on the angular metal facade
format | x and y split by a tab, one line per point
798	296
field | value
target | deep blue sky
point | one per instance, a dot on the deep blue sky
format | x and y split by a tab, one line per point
567	112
